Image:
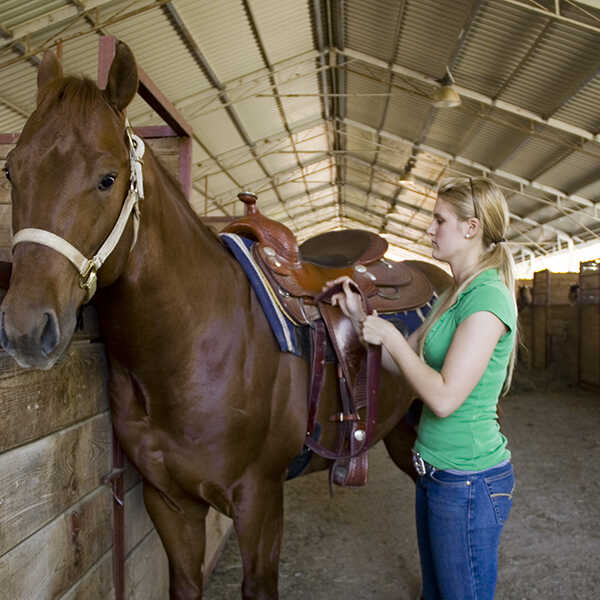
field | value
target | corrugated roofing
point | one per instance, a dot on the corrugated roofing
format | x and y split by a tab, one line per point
327	146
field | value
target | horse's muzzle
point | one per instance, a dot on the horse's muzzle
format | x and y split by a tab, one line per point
35	345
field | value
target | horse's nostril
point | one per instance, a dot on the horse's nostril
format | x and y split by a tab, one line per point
49	337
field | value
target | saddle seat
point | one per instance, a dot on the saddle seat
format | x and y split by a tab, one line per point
298	273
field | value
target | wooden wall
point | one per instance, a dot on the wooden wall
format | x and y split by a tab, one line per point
589	324
55	512
554	323
525	326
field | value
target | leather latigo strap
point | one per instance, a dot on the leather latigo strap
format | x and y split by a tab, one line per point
318	341
370	384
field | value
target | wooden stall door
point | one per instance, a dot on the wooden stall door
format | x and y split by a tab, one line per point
589	325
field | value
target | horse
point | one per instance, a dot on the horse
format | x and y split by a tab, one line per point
204	403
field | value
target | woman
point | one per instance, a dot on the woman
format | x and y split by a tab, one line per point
459	362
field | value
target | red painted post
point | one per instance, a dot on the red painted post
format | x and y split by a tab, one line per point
106	53
185	165
9	138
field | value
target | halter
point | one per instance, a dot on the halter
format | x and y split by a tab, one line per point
89	267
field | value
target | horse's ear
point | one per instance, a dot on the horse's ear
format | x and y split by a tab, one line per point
49	70
122	78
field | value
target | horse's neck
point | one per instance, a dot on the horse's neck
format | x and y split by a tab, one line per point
178	274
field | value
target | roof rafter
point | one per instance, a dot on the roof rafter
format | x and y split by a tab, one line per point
281	177
553	14
275	89
75	10
428	121
478	97
384	112
203	64
486	169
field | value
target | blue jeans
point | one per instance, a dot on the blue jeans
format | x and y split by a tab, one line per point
459	521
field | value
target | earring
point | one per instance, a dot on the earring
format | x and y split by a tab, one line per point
467	236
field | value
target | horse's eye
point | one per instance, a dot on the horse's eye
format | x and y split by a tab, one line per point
6	173
106	181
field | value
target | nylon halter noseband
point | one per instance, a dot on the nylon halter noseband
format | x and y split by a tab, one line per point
88	267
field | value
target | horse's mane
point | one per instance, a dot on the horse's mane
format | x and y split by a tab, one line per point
76	95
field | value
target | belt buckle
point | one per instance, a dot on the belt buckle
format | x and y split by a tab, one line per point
418	463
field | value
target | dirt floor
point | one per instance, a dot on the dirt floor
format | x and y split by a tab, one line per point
361	544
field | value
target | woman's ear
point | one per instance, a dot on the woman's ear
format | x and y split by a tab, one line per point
473	227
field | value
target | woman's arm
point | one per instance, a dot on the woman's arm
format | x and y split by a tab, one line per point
467	358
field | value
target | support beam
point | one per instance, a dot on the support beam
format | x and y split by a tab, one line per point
53	17
203	64
388	199
320	35
281	177
393	173
553	14
275	89
289	199
17	47
486	169
481	98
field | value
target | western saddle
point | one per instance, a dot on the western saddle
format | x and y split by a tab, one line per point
297	274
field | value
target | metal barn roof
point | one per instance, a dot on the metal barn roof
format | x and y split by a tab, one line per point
323	107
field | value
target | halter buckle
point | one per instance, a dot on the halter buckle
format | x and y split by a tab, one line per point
88	279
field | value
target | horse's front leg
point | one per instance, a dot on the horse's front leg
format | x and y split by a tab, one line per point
258	521
183	536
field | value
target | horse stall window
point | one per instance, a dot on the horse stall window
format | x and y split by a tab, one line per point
589	324
554	331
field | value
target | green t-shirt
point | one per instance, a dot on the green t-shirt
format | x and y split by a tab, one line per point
470	438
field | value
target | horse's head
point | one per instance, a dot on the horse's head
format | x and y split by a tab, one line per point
70	175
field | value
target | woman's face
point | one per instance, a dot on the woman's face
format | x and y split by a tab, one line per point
447	233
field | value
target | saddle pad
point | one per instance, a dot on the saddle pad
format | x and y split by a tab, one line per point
283	328
291	337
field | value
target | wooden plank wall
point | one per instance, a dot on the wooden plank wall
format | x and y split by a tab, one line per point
554	323
55	512
55	448
589	325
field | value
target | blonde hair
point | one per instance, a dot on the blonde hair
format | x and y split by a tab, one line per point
480	198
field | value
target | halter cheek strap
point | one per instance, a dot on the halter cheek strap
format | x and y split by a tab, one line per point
88	267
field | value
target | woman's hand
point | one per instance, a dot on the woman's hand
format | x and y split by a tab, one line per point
375	330
349	301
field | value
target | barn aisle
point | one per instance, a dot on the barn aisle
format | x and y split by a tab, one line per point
361	544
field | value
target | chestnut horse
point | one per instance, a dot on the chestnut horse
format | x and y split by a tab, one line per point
204	403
